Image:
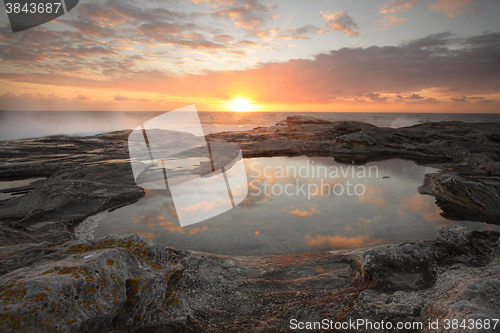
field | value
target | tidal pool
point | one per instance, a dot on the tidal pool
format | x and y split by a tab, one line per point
7	186
295	205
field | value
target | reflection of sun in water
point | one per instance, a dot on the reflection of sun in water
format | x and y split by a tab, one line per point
239	104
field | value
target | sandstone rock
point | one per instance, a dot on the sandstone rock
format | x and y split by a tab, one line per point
454	277
468	197
66	200
131	284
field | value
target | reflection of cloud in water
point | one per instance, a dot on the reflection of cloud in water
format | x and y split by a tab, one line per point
304	214
204	206
155	220
372	197
339	242
324	188
239	190
418	203
252	201
149	220
172	211
174	228
149	235
171	226
283	221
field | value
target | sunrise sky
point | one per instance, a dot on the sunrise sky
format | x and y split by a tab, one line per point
257	55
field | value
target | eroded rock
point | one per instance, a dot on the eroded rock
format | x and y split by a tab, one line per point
131	284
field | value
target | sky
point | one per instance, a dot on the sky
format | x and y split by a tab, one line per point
257	55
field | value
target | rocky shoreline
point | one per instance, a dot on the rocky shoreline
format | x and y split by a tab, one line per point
49	279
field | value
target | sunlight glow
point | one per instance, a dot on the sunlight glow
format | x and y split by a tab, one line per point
239	104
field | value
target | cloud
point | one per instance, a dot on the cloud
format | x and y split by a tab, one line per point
464	99
248	15
375	97
82	98
391	21
121	22
397	6
432	64
452	8
249	43
37	101
121	98
216	3
292	33
341	22
304	214
414	96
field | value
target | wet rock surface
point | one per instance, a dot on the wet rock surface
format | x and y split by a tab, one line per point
465	196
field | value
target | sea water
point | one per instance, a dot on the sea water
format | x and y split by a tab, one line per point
32	124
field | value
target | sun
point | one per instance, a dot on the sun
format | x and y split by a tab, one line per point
239	104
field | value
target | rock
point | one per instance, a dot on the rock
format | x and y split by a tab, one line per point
65	200
43	157
131	284
103	286
453	277
15	233
409	266
135	285
302	120
470	197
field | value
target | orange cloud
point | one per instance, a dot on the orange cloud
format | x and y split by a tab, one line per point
341	22
304	214
341	78
397	6
391	21
121	98
452	8
216	3
247	16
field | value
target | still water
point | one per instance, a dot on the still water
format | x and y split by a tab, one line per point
296	205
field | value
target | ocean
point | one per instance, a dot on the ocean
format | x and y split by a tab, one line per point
32	124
